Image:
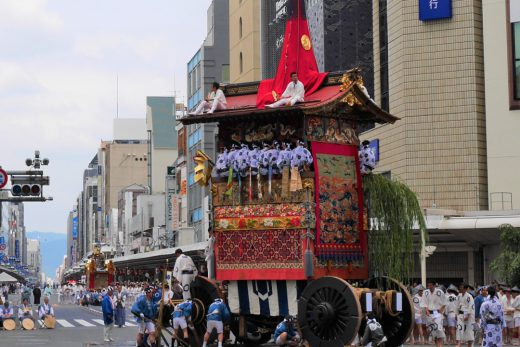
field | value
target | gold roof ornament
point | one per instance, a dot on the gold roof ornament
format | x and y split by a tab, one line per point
203	168
350	78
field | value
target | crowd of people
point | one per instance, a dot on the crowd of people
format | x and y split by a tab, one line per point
488	315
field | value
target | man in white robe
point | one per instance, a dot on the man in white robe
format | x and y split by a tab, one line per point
293	94
215	101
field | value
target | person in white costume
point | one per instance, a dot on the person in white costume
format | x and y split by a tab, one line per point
185	272
433	304
216	100
293	94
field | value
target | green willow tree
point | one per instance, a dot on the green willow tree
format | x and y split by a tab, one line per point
394	212
507	264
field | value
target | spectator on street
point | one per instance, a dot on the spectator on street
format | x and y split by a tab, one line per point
107	307
37	293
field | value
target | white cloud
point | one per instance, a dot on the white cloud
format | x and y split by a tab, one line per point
106	46
29	14
14	79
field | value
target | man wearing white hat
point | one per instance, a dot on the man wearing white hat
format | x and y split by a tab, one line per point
465	317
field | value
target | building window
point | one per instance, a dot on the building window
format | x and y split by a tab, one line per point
225	73
241	63
513	52
196	215
515	28
194	138
240	28
383	55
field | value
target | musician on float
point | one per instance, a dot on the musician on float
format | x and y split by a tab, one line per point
45	309
25	311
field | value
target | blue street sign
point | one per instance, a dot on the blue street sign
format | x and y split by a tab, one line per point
434	9
2	240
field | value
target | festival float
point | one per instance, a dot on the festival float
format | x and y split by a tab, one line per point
99	271
292	238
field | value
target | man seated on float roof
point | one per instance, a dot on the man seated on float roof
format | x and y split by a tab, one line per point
216	100
293	94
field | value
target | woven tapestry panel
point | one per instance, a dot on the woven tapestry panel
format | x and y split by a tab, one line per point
260	254
339	200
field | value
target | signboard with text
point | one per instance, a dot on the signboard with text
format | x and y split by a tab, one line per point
175	213
17	249
75	228
434	9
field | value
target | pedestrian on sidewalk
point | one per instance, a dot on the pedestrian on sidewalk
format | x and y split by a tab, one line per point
107	305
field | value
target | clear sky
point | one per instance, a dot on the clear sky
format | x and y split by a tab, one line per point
58	65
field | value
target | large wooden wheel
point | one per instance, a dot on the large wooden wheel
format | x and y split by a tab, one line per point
329	313
397	326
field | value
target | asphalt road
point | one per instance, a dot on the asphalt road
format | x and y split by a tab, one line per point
76	327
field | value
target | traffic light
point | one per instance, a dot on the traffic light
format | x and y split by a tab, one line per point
26	190
28	185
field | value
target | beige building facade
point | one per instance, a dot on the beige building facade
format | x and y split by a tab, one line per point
244	41
501	18
126	163
431	75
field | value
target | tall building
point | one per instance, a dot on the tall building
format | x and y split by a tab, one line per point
17	241
244	41
210	63
34	258
70	245
501	27
431	75
88	214
123	161
160	121
341	33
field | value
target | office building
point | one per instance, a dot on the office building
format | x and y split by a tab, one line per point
244	41
210	63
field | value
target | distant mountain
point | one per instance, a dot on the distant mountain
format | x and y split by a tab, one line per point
53	246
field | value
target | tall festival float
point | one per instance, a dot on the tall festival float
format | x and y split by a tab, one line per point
292	239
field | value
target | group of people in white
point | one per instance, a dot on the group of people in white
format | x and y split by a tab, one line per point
216	100
464	315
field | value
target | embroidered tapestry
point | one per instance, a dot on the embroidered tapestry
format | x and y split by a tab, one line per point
260	254
339	201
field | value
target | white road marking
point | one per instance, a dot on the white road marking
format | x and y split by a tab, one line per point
84	323
99	321
64	323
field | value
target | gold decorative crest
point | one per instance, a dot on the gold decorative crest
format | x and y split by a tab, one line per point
306	42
